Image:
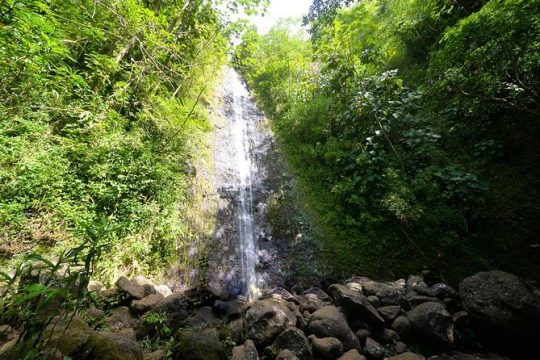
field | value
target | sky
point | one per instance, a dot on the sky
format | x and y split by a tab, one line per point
279	9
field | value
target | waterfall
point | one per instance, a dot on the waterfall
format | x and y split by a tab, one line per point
238	121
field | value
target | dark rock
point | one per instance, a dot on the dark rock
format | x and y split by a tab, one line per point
248	351
329	322
107	346
281	293
327	348
375	301
136	288
389	336
146	303
357	305
412	300
94	314
414	282
402	325
121	318
236	328
407	356
352	354
174	307
388	294
310	302
432	322
231	309
389	313
320	294
362	335
70	336
266	319
504	307
197	345
400	347
201	319
373	349
456	355
293	339
286	355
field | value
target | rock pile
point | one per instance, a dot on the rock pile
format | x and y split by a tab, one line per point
357	320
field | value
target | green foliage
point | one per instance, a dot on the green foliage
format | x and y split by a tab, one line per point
403	120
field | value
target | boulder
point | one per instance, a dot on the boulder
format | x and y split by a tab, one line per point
432	322
400	347
155	355
231	309
362	335
310	302
236	328
201	319
247	351
293	339
373	349
389	313
352	354
107	346
319	293
173	307
136	288
357	305
94	286
330	322
268	318
70	336
121	318
402	325
373	300
503	306
164	290
286	355
327	348
389	336
388	294
407	356
199	345
145	304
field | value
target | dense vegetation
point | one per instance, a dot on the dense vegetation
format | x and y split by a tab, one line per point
101	115
413	126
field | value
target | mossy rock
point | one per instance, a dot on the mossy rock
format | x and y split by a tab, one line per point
197	345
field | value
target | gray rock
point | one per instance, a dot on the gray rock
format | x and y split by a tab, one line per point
504	303
164	290
320	294
107	346
400	347
373	349
389	313
389	336
136	288
247	351
145	304
327	348
293	339
231	309
388	294
174	307
121	318
402	325
68	335
286	355
375	301
432	322
155	355
310	302
407	356
268	318
362	335
202	318
94	286
330	322
352	354
357	305
197	345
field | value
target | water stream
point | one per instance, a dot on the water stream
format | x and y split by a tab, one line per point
244	212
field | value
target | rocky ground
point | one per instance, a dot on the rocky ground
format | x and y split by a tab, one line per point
410	319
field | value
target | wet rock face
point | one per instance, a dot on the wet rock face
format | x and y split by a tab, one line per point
503	306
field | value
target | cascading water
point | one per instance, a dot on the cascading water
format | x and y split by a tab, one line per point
240	136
